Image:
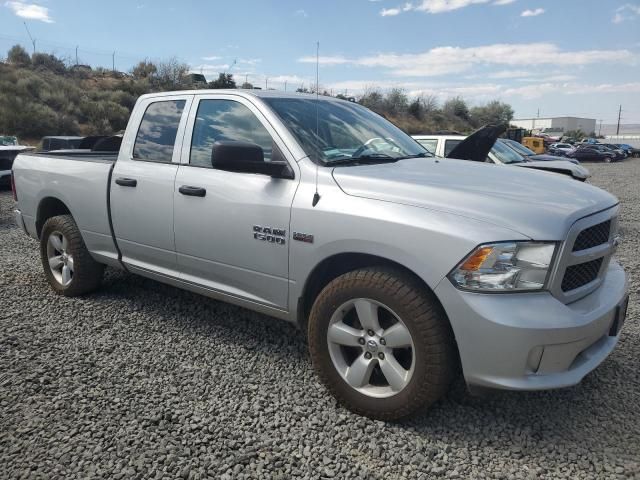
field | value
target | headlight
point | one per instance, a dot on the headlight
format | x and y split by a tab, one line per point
505	267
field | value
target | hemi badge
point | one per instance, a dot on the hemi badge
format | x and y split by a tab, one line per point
303	237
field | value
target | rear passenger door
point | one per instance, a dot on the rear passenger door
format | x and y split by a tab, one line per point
233	238
142	185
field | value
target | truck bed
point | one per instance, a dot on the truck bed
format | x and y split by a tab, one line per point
80	155
78	179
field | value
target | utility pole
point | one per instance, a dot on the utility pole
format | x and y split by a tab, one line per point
600	129
285	85
113	62
33	40
266	82
619	116
246	78
76	55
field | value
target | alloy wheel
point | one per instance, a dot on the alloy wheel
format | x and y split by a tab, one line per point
60	260
371	348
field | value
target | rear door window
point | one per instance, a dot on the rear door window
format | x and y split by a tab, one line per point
157	133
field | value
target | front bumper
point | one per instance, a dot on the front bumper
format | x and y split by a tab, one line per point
532	341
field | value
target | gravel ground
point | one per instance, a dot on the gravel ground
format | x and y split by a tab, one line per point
141	380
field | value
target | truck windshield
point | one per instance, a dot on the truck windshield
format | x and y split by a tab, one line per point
343	132
505	154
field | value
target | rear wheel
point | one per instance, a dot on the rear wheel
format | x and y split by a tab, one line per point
67	264
381	343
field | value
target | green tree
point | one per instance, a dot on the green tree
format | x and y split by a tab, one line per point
494	112
49	62
144	69
18	56
171	74
456	107
224	80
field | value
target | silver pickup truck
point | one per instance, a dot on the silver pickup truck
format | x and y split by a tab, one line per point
402	268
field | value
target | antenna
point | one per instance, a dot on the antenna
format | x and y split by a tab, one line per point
316	196
32	39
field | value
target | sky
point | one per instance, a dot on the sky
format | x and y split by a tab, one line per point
555	57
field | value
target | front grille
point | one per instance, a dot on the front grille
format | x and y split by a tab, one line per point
593	236
581	274
6	163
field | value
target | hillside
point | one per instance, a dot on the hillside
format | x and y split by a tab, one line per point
40	95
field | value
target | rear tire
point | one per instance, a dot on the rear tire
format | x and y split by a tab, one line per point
396	380
68	266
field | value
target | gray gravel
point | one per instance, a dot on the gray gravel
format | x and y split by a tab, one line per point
141	380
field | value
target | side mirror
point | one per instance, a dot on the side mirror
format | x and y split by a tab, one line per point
245	157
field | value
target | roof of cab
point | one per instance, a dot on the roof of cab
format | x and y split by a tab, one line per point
245	93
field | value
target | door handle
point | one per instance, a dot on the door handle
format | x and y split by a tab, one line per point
126	182
192	191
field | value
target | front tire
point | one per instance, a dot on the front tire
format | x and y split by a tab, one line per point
381	343
68	266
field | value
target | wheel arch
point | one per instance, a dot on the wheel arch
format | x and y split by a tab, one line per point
47	208
335	265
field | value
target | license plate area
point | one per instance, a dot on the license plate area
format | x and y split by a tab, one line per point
619	317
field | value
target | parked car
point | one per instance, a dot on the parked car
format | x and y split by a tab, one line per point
50	143
618	154
9	149
560	149
499	153
621	154
534	157
629	149
389	259
592	153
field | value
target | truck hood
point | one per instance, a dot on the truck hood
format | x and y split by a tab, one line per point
534	204
558	166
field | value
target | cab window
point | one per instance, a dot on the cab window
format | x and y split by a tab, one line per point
225	120
157	133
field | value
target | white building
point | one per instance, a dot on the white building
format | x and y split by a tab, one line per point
556	125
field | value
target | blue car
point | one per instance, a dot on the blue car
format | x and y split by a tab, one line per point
629	150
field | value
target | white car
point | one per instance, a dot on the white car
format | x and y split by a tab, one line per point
562	148
500	154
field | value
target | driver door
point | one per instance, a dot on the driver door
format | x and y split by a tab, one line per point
221	232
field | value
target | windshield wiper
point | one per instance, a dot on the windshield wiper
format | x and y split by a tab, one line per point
362	159
417	155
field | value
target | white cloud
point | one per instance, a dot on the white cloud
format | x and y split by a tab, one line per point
389	12
451	60
330	60
30	11
301	13
211	58
487	91
510	74
293	80
532	13
626	12
439	6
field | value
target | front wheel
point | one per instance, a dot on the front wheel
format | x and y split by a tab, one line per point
67	264
381	343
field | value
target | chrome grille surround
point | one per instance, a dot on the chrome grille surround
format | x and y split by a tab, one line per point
567	258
